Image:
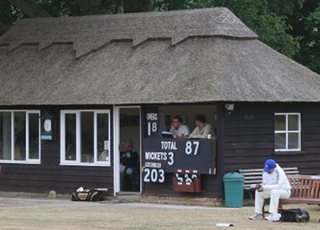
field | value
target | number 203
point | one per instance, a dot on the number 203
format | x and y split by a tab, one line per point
154	175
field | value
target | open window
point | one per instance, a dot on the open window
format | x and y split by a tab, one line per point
188	114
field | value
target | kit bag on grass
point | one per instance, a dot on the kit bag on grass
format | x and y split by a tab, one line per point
294	215
86	195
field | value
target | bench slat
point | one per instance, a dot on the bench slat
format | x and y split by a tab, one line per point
301	201
261	169
260	174
253	177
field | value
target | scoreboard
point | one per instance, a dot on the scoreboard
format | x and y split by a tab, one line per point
165	155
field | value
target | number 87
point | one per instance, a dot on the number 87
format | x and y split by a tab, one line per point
188	149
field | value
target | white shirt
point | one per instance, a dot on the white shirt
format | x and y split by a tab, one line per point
202	132
275	180
183	129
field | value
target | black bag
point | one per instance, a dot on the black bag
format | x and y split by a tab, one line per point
294	215
87	195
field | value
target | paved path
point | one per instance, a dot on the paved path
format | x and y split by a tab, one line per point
22	203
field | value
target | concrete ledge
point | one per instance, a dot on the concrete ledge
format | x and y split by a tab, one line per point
32	195
125	197
208	202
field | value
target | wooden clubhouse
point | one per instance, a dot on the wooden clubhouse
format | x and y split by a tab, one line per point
71	88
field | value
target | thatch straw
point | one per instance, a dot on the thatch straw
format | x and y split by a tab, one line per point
203	67
91	32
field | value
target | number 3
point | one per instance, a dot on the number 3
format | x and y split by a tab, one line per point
171	158
161	176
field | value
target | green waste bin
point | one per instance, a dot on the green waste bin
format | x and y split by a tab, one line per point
233	189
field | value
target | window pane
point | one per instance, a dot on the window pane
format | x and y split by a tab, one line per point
87	137
280	122
20	135
293	142
103	138
293	123
34	136
70	137
280	141
5	135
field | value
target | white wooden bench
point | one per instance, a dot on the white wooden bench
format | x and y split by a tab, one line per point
254	176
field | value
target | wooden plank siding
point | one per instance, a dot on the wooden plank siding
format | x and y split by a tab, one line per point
249	137
50	175
245	139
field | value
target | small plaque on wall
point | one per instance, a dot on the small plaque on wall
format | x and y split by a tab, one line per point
48	126
248	116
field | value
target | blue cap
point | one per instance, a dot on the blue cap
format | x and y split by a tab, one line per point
269	165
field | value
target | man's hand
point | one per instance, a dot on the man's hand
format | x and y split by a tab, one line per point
261	188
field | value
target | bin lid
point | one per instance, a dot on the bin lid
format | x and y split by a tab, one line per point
233	176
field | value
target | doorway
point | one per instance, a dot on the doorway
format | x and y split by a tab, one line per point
127	126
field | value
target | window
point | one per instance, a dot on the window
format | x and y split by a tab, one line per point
287	132
20	136
85	137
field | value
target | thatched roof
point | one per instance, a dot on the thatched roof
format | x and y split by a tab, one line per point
165	57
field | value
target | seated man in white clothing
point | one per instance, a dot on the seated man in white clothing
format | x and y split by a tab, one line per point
203	128
275	185
178	129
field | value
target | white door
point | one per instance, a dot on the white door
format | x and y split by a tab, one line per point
126	126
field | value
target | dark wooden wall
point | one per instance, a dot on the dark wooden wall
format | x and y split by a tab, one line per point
249	137
245	139
50	175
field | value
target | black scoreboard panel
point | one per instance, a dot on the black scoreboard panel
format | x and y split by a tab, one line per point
152	122
167	155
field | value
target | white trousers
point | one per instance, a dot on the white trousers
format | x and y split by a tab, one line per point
274	196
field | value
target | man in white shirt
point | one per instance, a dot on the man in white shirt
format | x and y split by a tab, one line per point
178	129
275	185
203	129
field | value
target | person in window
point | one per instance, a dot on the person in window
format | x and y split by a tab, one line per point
178	129
104	156
203	129
275	185
129	158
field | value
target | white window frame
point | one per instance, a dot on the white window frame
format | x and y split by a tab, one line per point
78	162
286	131
27	160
